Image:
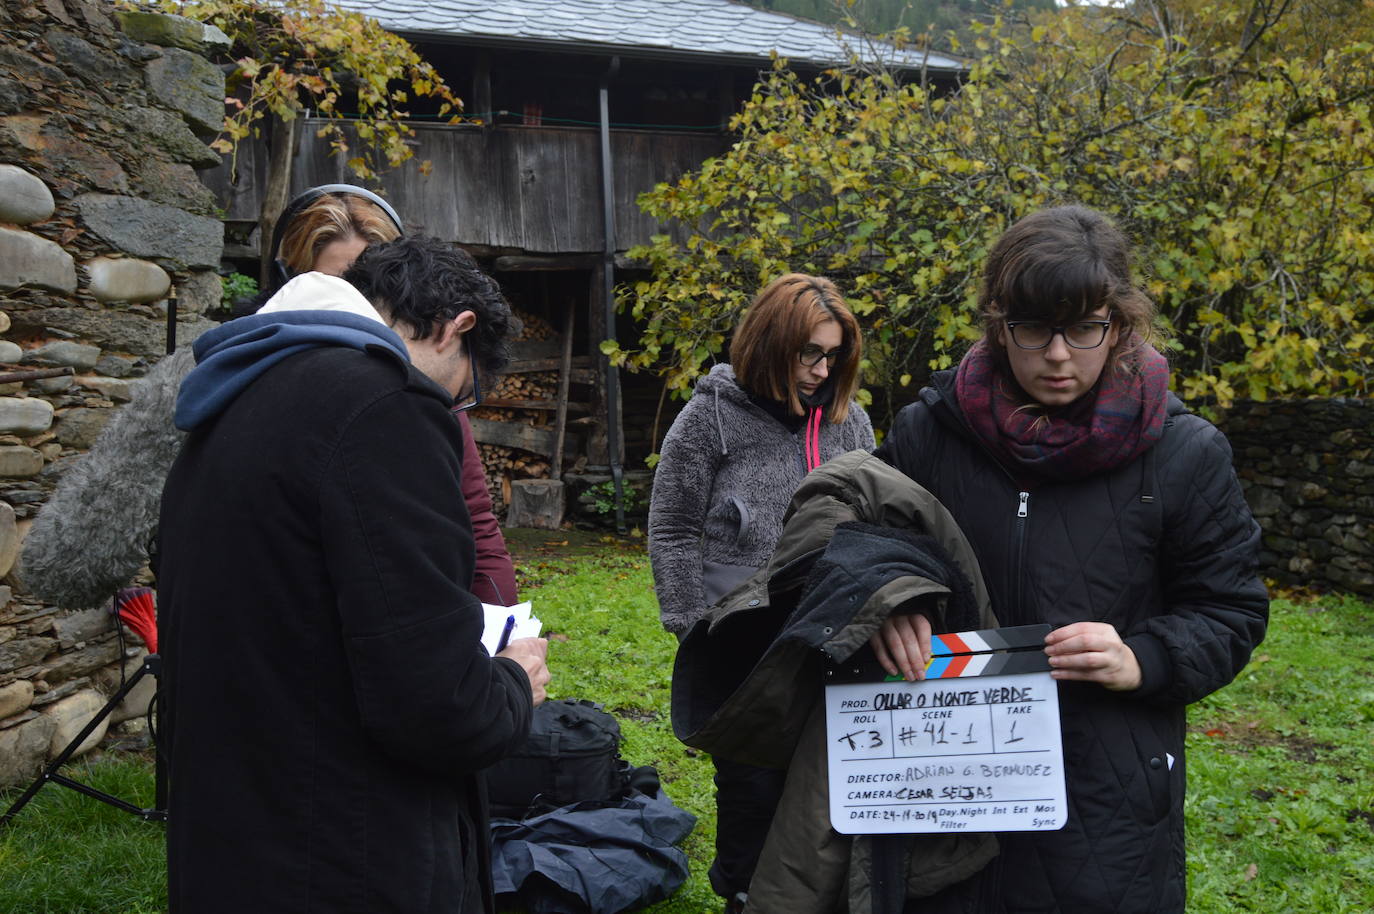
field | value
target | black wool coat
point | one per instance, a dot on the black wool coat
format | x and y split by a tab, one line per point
328	702
1165	549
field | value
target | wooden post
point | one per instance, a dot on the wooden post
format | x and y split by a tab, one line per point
597	450
481	88
560	422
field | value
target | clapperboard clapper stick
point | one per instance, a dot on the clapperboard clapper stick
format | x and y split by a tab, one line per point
986	652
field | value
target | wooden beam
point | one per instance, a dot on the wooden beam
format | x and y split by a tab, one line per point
484	252
514	434
580	374
503	403
535	350
522	262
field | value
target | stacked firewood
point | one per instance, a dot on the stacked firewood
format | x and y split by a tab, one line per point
536	329
504	464
528	385
501	465
506	461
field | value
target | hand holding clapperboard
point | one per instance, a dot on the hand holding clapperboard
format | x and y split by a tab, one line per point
975	746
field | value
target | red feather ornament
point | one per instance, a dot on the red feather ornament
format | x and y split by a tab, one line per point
136	608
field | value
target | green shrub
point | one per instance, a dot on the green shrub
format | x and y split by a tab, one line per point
1243	169
237	287
603	497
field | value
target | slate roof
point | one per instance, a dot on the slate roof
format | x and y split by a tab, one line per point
670	28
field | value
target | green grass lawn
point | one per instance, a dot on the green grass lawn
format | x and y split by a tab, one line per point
1280	806
1281	770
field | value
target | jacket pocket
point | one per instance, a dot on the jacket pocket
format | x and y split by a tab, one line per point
1160	776
1117	753
730	520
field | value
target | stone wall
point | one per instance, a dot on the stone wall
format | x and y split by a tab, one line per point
1307	467
104	117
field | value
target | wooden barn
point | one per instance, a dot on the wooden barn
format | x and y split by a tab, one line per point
576	107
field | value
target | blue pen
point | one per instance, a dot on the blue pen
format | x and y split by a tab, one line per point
505	634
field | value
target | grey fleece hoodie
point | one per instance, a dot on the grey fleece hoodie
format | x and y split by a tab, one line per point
725	474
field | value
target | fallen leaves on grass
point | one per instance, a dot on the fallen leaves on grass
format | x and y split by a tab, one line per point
1360	815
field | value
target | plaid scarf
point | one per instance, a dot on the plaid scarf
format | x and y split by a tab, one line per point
1112	424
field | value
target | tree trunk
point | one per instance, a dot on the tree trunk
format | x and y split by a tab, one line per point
281	150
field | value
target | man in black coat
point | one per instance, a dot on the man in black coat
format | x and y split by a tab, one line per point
328	701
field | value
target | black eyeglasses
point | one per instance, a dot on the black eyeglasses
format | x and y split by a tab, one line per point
1039	334
473	395
810	356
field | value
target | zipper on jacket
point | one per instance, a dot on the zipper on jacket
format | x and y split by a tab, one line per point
1022	512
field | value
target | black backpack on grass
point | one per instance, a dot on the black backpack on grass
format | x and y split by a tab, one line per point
575	829
572	755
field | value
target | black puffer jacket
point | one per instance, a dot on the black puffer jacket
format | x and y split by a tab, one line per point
1164	549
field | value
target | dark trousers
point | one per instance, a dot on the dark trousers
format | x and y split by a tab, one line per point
746	799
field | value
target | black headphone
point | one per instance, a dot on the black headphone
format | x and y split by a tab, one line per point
281	271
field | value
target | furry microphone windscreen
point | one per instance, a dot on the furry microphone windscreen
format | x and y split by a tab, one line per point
94	533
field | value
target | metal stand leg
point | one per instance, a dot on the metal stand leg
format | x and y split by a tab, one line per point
152	664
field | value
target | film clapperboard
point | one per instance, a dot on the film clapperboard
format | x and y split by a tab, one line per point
973	747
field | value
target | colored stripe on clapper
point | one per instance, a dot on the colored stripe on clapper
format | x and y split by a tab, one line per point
988	652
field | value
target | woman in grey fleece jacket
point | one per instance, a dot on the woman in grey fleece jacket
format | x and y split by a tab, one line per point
726	471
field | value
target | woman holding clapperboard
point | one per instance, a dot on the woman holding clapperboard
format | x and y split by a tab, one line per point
1097	503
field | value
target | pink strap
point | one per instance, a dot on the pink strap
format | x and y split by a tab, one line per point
813	439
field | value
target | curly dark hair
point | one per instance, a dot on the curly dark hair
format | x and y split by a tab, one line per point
420	282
